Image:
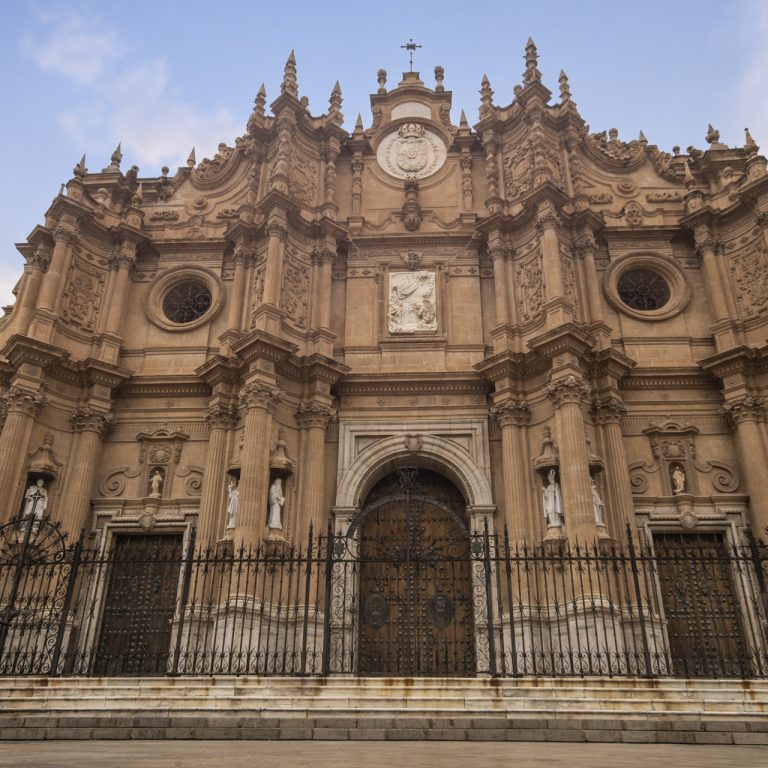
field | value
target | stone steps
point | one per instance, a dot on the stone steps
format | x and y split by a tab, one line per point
591	709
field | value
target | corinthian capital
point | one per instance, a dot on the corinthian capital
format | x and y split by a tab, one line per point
276	228
221	416
260	395
741	409
18	400
567	390
87	419
608	410
40	258
512	413
313	414
64	235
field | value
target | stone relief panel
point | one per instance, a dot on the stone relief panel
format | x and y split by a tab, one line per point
257	290
569	281
412	305
412	152
303	184
749	273
81	301
530	282
295	294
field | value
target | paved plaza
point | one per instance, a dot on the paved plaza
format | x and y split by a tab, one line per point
341	754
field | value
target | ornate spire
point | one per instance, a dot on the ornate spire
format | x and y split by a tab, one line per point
381	76
80	170
290	85
565	91
335	104
642	138
117	156
713	136
463	123
750	145
486	95
531	73
688	178
260	101
138	195
191	161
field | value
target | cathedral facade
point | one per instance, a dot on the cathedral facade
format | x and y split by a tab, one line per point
518	328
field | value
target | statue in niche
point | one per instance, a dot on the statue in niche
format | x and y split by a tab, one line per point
35	503
233	498
156	485
678	480
598	505
276	501
553	502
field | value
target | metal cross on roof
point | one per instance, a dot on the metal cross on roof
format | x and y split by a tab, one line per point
410	46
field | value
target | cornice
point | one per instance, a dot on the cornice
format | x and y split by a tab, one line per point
568	338
668	378
151	386
260	344
23	349
410	383
741	359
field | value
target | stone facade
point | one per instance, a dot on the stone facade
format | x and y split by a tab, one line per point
487	302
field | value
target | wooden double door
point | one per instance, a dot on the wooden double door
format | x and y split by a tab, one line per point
416	613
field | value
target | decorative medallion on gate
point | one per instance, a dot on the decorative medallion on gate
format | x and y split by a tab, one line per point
440	610
376	611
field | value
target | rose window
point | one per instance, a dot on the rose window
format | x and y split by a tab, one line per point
185	302
643	289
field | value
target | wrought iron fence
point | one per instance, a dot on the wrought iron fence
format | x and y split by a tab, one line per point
679	605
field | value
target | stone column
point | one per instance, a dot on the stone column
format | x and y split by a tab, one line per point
221	419
122	263
90	426
277	232
567	395
745	414
585	248
500	285
312	417
512	418
22	408
235	317
326	258
260	400
714	286
53	284
38	263
619	507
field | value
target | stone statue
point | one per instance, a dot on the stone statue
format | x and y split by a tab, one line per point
35	503
156	484
678	480
553	502
233	494
598	505
276	501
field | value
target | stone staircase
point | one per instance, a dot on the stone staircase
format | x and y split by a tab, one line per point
483	709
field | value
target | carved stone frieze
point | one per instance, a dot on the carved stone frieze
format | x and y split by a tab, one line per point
295	293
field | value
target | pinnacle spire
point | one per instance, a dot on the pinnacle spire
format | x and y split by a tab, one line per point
750	145
565	91
117	156
486	95
290	84
642	138
80	170
191	160
463	123
531	73
335	104
261	100
359	121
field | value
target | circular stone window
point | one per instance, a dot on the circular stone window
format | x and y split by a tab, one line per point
187	301
646	286
184	297
643	289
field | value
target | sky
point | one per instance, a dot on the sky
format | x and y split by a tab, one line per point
161	77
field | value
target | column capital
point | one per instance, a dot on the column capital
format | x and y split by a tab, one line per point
18	400
608	410
40	258
567	390
744	408
313	414
583	246
244	257
277	228
63	235
511	413
322	256
221	416
257	394
87	419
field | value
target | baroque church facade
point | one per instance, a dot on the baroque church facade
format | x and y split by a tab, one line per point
560	334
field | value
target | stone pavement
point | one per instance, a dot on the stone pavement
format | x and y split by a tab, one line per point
370	754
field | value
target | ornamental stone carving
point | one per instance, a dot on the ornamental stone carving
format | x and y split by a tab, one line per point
313	414
221	416
412	302
260	395
18	400
746	408
412	152
608	410
87	419
513	412
530	281
567	390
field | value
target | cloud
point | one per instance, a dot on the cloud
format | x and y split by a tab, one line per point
754	84
78	49
127	102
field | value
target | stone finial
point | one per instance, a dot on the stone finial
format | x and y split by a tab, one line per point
531	73
750	145
688	177
439	76
463	122
713	136
486	93
642	139
138	195
191	160
290	85
260	101
565	91
335	104
117	156
676	150
359	124
381	76
80	170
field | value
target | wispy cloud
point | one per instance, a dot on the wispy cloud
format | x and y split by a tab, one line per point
127	102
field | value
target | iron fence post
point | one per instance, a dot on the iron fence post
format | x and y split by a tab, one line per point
307	593
639	597
488	600
185	582
73	570
757	561
327	606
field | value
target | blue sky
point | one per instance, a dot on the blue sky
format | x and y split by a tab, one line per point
79	76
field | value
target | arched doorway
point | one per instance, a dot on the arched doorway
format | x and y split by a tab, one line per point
415	578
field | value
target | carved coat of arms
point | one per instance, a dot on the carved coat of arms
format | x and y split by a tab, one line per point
412	152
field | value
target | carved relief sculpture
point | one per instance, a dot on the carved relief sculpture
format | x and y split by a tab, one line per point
412	302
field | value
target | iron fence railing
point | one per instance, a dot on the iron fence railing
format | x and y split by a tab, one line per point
690	605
